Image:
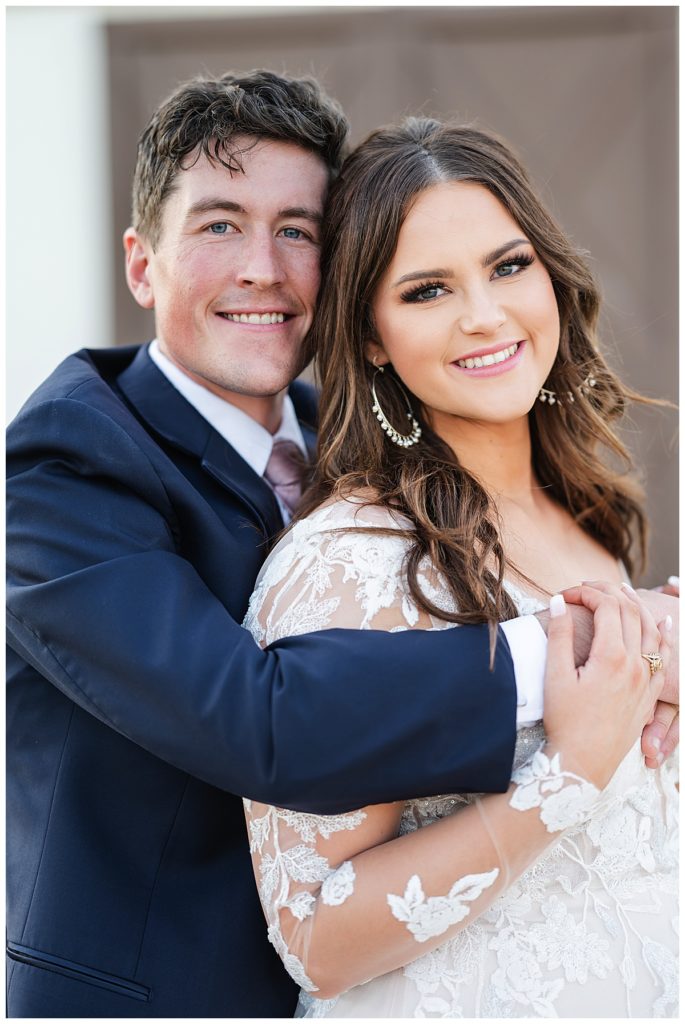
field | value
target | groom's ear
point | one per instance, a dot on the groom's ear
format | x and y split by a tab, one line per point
138	276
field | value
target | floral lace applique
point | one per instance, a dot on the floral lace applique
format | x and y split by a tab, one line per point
565	799
427	917
336	546
338	886
519	978
564	942
440	974
286	868
292	964
665	967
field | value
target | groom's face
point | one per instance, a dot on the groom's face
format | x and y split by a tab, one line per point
234	275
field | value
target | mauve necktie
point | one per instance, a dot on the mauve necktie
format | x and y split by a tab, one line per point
284	473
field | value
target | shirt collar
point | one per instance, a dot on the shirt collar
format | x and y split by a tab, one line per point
250	439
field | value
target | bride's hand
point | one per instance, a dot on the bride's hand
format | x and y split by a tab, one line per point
594	714
660	736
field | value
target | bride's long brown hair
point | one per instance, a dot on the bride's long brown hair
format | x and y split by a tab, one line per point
455	522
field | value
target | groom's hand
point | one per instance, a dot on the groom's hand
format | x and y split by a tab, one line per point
671	586
583	629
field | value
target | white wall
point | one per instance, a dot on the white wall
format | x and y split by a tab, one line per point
57	192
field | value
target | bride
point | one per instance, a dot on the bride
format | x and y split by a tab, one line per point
464	410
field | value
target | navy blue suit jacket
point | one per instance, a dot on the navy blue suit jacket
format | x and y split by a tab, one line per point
137	706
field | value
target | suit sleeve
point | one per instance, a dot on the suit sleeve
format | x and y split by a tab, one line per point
103	604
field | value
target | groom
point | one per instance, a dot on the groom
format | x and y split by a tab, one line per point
144	486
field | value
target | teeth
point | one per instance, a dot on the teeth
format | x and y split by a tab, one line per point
255	318
490	360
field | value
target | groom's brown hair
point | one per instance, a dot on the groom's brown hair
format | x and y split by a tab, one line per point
205	115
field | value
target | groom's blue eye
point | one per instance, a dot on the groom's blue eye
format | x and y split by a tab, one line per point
219	229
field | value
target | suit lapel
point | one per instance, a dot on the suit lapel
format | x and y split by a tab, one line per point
222	461
157	402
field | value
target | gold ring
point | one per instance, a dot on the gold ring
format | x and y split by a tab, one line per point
655	662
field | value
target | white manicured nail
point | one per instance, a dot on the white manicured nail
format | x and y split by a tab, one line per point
627	586
674	581
668	623
557	606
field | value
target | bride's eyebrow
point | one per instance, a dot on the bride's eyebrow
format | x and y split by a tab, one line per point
490	258
493	256
420	275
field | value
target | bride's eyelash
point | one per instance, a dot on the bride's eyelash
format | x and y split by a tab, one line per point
414	294
518	259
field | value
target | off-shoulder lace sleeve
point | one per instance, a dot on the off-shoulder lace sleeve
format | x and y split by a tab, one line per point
345	899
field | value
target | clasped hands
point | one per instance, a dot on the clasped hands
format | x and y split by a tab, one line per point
660	736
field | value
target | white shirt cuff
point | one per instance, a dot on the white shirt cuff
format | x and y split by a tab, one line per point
528	645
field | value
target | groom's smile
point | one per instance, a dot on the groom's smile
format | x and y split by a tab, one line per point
234	275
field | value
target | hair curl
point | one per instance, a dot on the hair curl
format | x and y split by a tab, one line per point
455	522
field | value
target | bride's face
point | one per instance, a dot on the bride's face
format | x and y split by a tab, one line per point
466	312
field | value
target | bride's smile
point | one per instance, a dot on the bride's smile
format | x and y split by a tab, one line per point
483	362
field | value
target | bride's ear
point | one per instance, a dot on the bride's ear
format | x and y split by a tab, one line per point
375	353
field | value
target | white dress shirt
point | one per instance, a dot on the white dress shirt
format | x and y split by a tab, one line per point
528	645
250	439
525	635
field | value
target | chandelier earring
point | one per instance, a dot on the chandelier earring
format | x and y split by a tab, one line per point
402	440
549	397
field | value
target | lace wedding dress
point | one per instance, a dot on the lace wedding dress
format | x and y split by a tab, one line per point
588	929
